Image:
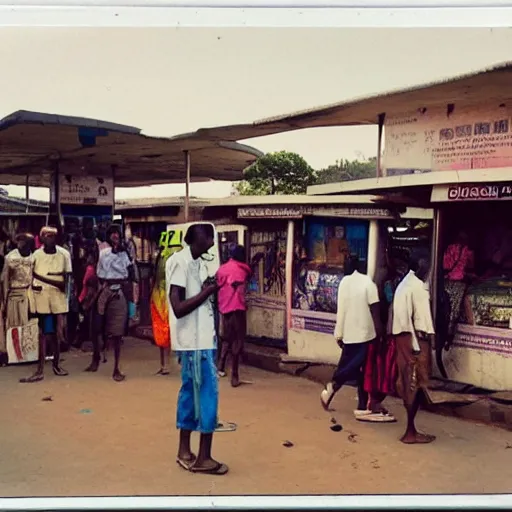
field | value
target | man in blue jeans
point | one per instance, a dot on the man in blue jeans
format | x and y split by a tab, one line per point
191	319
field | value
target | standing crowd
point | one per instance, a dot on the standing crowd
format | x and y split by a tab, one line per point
36	287
39	286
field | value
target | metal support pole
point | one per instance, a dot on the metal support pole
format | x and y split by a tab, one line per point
379	145
290	246
187	186
113	191
27	192
54	209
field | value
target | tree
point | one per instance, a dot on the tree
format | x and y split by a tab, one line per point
346	170
277	173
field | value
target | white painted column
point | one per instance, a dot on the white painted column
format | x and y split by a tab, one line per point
290	242
373	247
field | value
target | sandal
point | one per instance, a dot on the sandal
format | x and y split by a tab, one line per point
60	372
162	371
218	469
186	464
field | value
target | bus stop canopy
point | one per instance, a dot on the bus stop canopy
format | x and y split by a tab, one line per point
31	143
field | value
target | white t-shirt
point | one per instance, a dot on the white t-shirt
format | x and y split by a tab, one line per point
411	308
354	322
195	331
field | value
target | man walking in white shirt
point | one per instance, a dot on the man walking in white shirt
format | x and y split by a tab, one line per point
413	327
357	324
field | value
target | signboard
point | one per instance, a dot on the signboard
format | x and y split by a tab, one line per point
297	212
472	192
86	190
441	140
23	343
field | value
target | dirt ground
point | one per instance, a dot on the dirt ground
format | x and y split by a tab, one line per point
98	437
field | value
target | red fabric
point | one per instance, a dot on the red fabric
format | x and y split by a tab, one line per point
380	371
90	273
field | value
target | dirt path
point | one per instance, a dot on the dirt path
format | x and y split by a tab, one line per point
98	437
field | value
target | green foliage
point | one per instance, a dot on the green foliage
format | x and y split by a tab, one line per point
346	170
277	173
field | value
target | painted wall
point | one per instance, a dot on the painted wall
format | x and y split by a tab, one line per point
313	346
266	317
481	357
436	139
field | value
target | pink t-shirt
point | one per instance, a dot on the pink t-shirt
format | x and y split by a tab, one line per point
231	298
456	259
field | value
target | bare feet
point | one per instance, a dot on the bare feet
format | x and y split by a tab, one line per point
93	367
37	377
417	438
118	376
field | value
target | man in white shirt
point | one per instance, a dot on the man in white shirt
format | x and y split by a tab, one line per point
357	325
191	319
413	327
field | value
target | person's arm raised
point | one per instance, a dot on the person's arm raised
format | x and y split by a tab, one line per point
183	306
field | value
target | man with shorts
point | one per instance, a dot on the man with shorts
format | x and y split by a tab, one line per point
51	271
413	327
357	325
191	319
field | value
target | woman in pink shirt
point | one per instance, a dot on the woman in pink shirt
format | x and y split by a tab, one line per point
232	278
458	263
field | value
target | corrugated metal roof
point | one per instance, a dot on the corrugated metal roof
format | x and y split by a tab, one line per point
31	141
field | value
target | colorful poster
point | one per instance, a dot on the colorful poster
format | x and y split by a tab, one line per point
443	139
23	343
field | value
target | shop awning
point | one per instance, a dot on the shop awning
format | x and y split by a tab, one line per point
389	184
491	84
31	142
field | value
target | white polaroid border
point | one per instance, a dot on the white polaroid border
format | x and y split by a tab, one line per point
258	13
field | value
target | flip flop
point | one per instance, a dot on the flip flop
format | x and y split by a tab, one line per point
33	378
226	426
218	469
376	417
60	372
162	372
186	464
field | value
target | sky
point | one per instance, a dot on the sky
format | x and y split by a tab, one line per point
168	81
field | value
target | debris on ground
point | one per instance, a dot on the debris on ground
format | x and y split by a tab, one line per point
47	399
336	428
85	411
375	464
333	420
352	436
508	446
288	444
